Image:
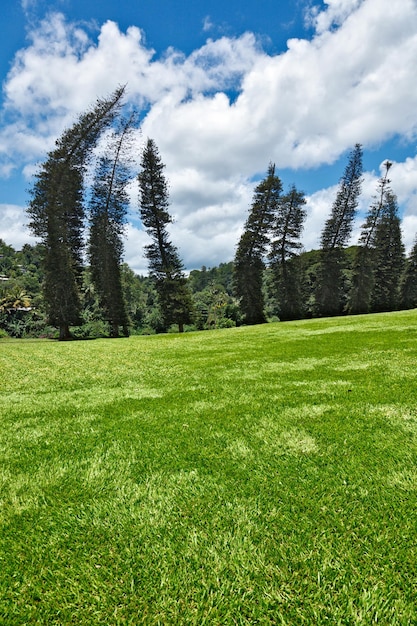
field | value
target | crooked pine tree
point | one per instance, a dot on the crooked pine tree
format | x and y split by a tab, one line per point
335	236
107	214
364	262
57	213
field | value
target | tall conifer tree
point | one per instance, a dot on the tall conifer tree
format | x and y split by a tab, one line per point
335	236
249	263
388	257
108	207
56	211
359	300
166	267
287	230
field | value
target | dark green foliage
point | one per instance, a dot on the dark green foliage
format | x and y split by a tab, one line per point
165	265
135	296
362	281
222	275
374	214
338	227
249	261
388	258
175	301
215	308
56	211
363	268
7	260
336	233
249	282
63	246
212	289
29	276
409	283
287	287
21	302
329	294
287	230
22	270
108	208
379	262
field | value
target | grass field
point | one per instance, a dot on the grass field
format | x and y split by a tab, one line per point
262	475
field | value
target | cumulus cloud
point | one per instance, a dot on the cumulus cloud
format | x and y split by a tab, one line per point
220	114
335	14
13	226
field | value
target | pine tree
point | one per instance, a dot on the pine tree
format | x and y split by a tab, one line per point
409	282
364	263
108	207
287	229
57	212
362	281
335	236
388	257
165	266
249	261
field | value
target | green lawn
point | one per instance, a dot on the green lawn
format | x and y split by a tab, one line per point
262	475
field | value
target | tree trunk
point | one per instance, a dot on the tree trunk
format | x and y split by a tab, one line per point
180	327
64	332
114	330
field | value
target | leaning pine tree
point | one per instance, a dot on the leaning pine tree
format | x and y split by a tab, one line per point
364	262
57	214
287	230
165	266
389	258
335	236
249	261
108	208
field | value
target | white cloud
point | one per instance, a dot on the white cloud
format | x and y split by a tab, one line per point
135	241
13	228
318	210
207	24
336	13
222	113
28	4
409	231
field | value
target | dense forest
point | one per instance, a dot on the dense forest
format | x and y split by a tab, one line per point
23	312
22	309
74	283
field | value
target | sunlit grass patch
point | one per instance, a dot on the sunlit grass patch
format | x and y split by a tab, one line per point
262	475
282	441
406	480
239	449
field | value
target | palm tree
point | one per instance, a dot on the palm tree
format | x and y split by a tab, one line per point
14	300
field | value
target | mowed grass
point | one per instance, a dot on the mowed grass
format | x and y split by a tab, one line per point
262	475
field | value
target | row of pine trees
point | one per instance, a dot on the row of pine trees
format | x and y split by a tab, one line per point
80	189
59	216
380	278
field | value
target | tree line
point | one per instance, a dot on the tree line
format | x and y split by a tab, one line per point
78	283
374	276
59	215
22	305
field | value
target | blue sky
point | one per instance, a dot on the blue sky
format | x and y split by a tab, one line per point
224	88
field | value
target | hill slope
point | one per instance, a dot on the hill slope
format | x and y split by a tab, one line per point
250	475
